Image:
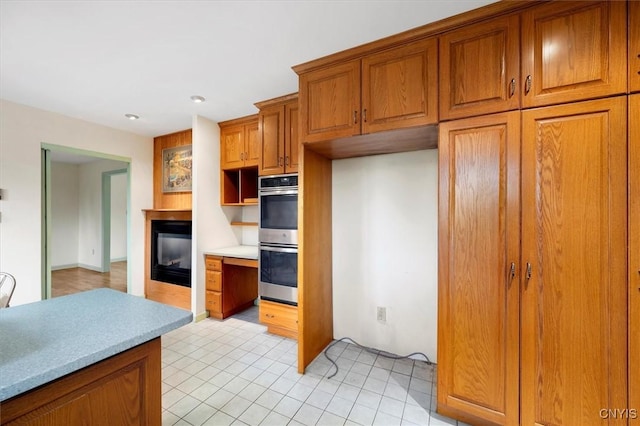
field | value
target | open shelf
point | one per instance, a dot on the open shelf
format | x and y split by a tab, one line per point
239	187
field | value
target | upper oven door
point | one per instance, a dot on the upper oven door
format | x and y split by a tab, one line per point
279	217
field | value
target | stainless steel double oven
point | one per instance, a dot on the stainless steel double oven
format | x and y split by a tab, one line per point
278	236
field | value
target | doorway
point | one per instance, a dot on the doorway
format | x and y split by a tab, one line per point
86	223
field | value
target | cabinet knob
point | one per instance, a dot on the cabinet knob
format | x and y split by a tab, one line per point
512	87
527	85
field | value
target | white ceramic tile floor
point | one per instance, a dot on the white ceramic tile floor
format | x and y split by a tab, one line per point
233	372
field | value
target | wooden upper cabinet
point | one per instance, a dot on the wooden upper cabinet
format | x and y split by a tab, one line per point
252	144
634	46
573	51
478	294
480	68
278	135
330	102
292	149
239	145
392	89
574	353
400	87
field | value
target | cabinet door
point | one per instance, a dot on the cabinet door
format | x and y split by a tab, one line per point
574	295
251	145
634	46
272	140
634	252
478	311
330	102
232	147
400	87
480	69
292	141
573	51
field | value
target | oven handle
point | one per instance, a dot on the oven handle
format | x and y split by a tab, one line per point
279	249
266	192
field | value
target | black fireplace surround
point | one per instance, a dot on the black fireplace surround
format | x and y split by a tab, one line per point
171	251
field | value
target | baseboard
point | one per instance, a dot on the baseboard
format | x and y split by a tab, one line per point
90	267
201	316
69	266
119	259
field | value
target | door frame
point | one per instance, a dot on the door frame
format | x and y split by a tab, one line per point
106	217
45	209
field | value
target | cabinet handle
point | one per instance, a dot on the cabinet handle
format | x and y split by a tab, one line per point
242	156
512	271
364	115
246	155
512	87
355	117
286	160
527	85
527	275
280	162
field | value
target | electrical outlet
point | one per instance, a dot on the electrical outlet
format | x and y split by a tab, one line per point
382	314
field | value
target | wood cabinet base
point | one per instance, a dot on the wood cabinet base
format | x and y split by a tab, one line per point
279	318
122	390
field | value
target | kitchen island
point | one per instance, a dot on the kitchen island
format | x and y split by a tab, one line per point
88	357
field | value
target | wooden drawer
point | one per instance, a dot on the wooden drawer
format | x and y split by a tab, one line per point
280	318
213	280
213	303
213	263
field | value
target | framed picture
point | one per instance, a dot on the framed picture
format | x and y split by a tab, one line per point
176	169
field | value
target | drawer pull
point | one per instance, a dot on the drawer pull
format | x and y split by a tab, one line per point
269	315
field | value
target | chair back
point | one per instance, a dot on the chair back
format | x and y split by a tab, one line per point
7	285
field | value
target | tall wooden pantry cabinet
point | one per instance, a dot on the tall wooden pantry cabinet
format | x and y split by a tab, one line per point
539	217
634	251
573	359
478	298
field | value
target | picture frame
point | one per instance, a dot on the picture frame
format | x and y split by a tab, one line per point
176	169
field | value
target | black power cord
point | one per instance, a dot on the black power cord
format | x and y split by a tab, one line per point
372	351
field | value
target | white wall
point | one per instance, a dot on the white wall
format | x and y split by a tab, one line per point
22	131
385	250
210	223
90	214
118	217
64	215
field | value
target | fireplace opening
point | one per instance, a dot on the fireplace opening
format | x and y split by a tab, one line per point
171	251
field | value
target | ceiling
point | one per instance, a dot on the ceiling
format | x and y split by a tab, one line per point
99	60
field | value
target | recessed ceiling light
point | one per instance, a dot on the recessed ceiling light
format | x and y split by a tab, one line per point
132	116
197	99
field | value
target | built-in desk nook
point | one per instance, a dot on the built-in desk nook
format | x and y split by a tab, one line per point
231	280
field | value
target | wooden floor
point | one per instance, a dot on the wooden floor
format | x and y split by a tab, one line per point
74	280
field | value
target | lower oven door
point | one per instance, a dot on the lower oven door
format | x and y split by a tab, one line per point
279	274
